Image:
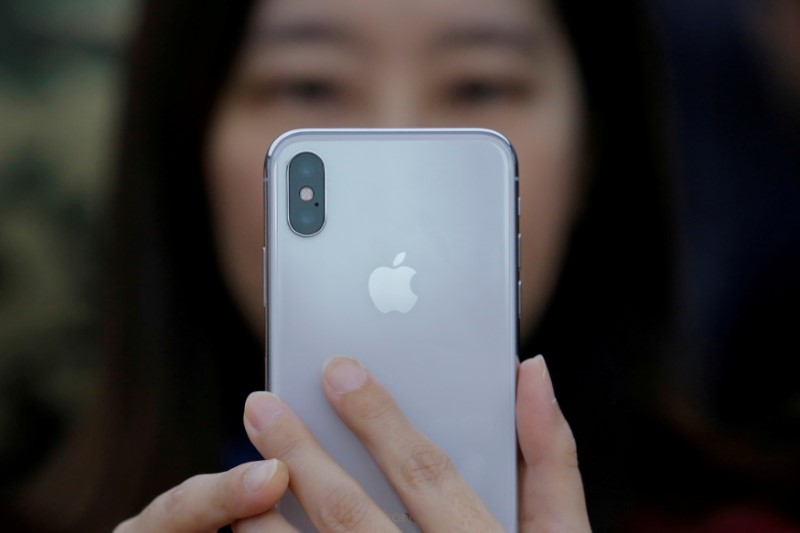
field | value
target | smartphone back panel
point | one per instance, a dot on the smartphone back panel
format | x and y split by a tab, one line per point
415	274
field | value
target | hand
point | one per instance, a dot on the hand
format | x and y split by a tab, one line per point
551	493
550	488
210	501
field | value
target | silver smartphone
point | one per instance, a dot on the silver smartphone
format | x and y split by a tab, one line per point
399	247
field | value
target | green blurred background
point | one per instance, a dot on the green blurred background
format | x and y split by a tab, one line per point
59	90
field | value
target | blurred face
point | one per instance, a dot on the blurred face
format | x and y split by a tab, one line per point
500	64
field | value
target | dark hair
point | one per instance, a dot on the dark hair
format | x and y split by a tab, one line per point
174	339
181	359
610	320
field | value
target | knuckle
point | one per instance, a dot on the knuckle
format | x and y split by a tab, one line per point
342	510
225	491
426	466
370	409
175	505
166	506
289	447
569	449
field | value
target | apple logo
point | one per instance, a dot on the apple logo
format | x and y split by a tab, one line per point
390	288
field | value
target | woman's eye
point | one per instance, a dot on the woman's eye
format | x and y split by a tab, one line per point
295	91
477	92
307	91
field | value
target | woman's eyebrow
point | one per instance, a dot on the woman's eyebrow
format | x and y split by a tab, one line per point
511	36
302	32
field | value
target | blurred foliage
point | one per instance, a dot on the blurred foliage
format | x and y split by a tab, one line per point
59	86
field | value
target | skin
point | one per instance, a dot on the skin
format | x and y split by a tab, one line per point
551	493
501	64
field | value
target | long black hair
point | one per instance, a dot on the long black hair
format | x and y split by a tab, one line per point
177	348
610	322
180	357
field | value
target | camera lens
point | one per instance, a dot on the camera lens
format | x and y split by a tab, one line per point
307	218
306	182
306	166
305	170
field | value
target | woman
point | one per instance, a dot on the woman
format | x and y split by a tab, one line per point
211	86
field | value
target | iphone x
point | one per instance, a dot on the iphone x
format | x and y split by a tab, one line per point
399	248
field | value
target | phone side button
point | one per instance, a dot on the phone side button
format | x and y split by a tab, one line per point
519	298
264	276
519	251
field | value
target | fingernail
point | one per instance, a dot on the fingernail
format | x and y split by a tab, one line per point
540	360
344	375
546	377
264	409
259	474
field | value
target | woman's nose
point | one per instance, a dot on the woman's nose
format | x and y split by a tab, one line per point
398	103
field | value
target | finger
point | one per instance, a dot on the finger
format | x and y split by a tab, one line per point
551	496
271	522
423	476
330	497
210	501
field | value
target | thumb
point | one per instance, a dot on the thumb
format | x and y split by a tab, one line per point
551	491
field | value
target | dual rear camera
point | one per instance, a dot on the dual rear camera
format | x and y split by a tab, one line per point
306	194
